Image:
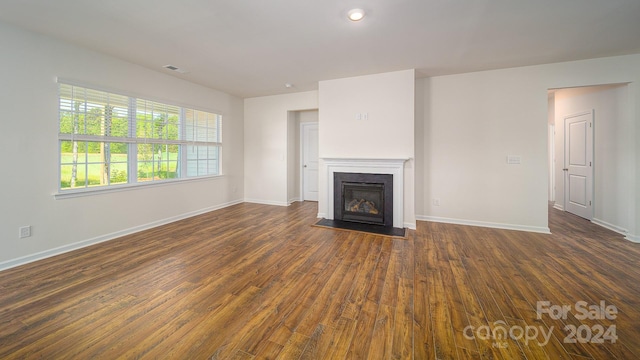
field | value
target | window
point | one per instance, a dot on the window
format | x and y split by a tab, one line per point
109	140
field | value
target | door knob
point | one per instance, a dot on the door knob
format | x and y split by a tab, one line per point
305	165
565	169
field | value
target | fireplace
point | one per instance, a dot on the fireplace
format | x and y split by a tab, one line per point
363	198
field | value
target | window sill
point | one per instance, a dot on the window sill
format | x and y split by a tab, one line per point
68	194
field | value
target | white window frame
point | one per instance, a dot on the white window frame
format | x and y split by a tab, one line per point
132	139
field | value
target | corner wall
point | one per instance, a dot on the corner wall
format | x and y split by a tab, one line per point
266	140
29	66
473	121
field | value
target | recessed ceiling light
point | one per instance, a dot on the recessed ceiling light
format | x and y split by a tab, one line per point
288	85
356	14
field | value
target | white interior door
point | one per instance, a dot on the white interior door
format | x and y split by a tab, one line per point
578	164
310	161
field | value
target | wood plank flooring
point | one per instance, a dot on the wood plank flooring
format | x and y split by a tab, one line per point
259	282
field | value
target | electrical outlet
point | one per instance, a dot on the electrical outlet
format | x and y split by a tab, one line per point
25	231
436	202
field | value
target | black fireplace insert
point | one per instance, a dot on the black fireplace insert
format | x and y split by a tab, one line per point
363	198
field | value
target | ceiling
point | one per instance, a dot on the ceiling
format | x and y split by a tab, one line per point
253	47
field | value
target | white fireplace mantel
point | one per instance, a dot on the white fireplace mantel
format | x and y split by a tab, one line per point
394	167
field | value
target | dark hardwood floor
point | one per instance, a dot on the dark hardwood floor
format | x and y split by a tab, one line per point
257	281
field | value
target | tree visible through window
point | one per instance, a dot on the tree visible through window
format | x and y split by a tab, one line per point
108	139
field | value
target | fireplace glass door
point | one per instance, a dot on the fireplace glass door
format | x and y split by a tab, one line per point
363	198
363	202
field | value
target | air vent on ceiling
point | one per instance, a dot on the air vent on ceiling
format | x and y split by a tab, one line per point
175	68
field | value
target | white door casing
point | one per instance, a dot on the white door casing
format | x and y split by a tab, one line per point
578	164
309	158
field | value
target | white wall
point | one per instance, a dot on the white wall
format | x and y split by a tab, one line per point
388	99
266	140
307	116
29	65
612	164
473	121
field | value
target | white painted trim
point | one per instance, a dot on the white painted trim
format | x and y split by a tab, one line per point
558	206
552	163
301	159
68	194
322	216
296	199
411	226
266	202
536	229
609	226
394	167
633	238
114	235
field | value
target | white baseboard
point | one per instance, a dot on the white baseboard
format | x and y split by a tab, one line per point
536	229
114	235
633	238
609	226
291	201
267	202
322	215
558	207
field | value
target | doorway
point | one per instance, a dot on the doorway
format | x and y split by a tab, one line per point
297	177
592	136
